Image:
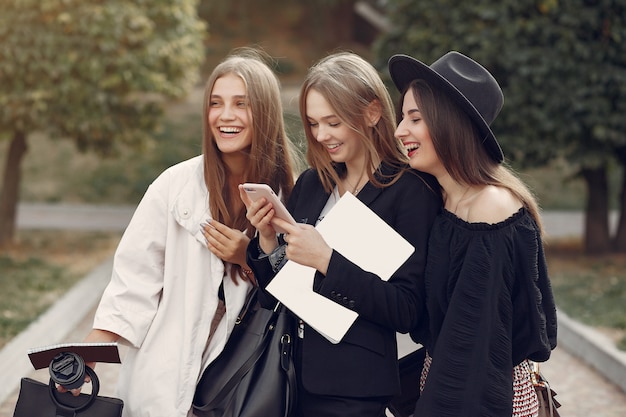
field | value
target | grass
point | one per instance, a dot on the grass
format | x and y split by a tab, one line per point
40	268
31	282
590	289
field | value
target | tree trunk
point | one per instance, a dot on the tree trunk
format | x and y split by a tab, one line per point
11	188
596	235
619	241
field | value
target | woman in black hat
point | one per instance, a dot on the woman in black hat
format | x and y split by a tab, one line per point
488	296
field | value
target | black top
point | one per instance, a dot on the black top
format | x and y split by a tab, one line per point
490	306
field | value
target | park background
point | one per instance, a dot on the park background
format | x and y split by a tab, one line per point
90	113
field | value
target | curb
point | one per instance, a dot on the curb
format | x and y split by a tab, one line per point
593	348
51	327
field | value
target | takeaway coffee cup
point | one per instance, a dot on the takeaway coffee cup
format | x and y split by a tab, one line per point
68	369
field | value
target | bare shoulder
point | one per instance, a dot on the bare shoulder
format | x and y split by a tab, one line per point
493	205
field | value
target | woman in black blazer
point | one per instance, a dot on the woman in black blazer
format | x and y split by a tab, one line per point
349	123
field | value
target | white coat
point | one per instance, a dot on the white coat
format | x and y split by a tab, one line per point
163	295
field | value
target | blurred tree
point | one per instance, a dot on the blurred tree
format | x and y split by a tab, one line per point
562	66
329	23
95	72
271	25
317	26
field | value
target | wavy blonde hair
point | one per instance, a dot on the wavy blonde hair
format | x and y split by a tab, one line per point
271	153
350	85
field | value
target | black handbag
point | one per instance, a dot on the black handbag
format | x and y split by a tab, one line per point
254	375
37	399
411	365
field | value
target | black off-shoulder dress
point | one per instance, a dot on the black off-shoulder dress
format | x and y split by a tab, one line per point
490	306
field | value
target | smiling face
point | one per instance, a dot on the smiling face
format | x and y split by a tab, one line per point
341	142
229	115
415	136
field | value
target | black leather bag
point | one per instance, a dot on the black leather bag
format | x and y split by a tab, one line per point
37	399
254	375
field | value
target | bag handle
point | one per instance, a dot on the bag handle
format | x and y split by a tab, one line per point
249	302
286	347
95	388
247	305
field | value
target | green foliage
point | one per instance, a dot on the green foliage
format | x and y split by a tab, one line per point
124	180
565	81
95	71
562	66
428	29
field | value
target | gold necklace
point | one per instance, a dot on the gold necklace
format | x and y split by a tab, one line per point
355	189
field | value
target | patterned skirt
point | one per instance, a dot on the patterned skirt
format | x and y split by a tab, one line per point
525	402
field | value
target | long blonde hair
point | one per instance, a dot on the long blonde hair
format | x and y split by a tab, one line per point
458	146
350	85
271	151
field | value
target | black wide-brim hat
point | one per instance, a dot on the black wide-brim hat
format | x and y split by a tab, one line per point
467	82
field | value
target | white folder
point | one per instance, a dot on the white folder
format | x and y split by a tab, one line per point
356	232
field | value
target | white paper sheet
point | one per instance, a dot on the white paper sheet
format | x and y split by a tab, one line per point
356	232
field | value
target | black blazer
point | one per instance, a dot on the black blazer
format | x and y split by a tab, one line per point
364	363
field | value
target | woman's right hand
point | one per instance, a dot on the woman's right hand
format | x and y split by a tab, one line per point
260	214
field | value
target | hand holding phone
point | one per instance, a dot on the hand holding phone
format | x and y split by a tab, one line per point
257	191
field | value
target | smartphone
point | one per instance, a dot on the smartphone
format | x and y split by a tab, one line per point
256	191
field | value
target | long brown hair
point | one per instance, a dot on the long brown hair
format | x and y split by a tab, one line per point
350	85
458	145
271	151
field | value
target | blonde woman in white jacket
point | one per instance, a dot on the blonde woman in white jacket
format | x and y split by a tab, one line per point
180	275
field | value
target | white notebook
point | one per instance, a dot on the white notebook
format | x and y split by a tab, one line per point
356	232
